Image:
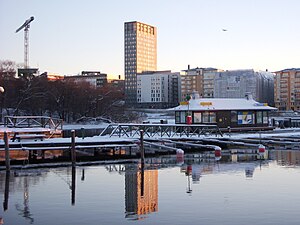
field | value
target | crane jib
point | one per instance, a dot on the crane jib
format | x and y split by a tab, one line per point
27	22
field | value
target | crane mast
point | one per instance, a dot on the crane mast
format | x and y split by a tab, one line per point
26	27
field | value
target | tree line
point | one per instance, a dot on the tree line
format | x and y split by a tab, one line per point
68	100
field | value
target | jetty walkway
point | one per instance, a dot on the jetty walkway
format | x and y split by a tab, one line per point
125	139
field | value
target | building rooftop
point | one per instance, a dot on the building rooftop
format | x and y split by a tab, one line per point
288	70
222	104
201	68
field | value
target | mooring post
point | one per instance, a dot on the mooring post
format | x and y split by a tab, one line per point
130	150
7	158
73	151
82	132
142	146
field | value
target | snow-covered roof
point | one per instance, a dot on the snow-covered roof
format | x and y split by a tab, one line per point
203	104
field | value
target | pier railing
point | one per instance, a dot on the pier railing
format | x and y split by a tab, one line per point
33	121
161	130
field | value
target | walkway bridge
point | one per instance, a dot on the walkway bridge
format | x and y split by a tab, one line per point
161	130
32	122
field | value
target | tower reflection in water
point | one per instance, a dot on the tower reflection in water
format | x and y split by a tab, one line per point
141	191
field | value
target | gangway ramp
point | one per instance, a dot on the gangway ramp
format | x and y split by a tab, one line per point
161	130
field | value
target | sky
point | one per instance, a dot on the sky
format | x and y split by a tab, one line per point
70	36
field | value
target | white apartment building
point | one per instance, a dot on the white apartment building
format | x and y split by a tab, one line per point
238	83
159	89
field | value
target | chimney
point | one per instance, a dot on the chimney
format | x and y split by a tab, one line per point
188	67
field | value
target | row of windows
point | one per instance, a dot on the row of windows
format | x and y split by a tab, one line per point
152	99
239	117
198	117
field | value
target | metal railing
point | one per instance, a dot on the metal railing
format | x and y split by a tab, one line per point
33	121
161	130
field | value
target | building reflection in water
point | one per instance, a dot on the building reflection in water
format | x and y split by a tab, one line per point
249	171
287	158
141	195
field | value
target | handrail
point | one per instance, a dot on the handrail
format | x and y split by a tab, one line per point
33	121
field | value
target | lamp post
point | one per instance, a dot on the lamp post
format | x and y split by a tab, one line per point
1	91
188	117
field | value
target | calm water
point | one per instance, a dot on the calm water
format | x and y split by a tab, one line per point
238	189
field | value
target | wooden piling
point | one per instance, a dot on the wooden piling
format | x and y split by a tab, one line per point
73	151
7	158
142	150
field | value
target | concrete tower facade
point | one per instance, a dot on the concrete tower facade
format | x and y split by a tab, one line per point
140	51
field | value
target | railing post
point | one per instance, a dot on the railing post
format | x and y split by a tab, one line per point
7	158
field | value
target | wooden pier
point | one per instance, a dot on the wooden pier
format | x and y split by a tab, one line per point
123	140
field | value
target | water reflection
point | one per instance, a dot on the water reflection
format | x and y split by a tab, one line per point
73	185
188	173
23	209
287	158
6	191
141	181
249	170
141	191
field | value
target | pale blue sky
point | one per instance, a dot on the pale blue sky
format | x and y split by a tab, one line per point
68	36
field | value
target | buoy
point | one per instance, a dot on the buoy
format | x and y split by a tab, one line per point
218	151
179	156
261	149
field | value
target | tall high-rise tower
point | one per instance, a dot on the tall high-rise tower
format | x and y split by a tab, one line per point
140	44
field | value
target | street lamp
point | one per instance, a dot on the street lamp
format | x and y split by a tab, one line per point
1	89
188	117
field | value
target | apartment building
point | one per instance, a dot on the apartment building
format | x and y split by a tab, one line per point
158	89
194	80
287	89
140	53
239	83
94	78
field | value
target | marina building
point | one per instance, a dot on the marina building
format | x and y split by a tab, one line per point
287	89
238	113
140	53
